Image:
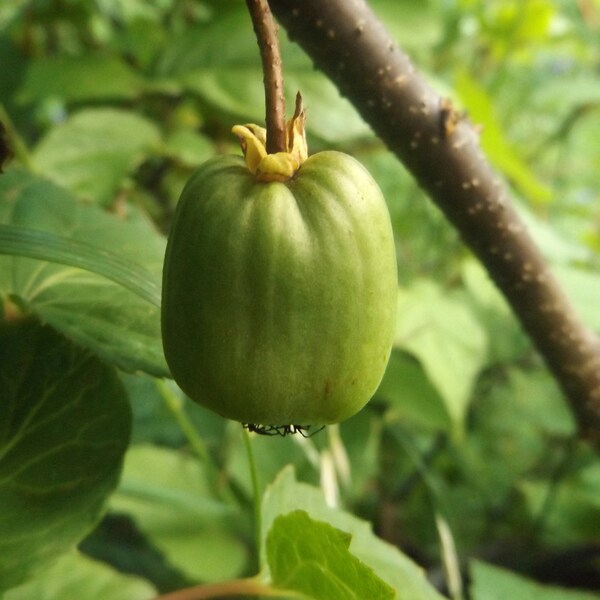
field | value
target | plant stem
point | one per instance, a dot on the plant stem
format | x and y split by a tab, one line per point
238	587
265	29
175	406
255	493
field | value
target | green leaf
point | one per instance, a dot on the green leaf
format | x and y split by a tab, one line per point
387	562
494	143
219	61
331	117
76	576
493	583
168	496
441	331
409	392
312	557
518	432
188	147
93	151
573	515
93	311
415	24
79	78
20	241
64	426
583	288
506	339
556	247
571	91
537	399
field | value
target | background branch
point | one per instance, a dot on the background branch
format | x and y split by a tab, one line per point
349	44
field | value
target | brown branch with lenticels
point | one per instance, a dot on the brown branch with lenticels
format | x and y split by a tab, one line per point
351	46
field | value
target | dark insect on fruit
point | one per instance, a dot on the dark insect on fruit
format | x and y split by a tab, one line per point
282	430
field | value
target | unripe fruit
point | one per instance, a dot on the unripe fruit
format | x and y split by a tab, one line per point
279	298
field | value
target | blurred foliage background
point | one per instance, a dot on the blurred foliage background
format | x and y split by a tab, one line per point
116	102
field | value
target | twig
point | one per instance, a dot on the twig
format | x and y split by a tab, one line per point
256	496
265	29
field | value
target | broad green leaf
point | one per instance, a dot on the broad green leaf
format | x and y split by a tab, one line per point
441	331
91	310
313	558
409	392
64	427
167	494
79	78
388	563
494	583
219	61
493	141
93	151
76	577
49	247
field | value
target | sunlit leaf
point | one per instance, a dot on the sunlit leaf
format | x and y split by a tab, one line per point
76	576
168	496
313	557
94	150
440	330
93	311
286	495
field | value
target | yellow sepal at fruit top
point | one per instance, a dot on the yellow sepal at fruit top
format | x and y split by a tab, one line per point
281	165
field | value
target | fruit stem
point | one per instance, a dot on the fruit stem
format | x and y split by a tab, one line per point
266	29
